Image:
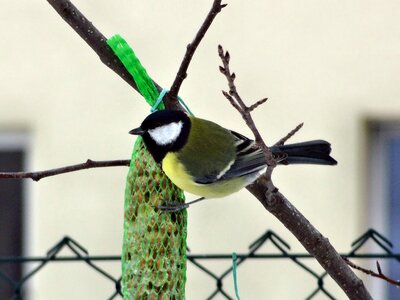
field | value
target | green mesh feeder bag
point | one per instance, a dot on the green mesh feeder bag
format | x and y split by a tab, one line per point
154	244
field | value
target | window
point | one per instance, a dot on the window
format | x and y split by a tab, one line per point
384	194
12	158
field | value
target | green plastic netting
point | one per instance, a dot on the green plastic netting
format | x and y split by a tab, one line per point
154	244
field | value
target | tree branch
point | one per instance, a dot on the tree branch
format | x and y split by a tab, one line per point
312	240
263	188
191	48
277	204
372	273
89	164
237	102
289	135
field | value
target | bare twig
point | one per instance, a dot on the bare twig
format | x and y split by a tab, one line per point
191	48
89	164
237	102
277	204
312	240
273	201
232	101
257	104
372	273
289	135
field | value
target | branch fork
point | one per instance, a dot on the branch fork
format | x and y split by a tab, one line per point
278	205
272	199
378	274
244	110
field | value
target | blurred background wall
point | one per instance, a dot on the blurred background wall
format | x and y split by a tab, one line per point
333	65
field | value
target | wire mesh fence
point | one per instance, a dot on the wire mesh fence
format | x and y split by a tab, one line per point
280	247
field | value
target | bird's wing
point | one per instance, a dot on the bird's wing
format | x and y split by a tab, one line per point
209	152
249	159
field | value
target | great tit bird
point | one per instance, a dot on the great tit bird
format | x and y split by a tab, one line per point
205	159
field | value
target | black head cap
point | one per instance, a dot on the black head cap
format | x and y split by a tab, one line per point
163	117
158	119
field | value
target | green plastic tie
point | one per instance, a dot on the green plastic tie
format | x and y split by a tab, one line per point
159	100
234	267
161	97
139	74
129	59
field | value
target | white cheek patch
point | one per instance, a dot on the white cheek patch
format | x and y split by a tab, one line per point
166	134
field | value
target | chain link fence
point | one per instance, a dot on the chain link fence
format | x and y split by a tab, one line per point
280	247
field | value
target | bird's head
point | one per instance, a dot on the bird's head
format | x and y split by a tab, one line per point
164	131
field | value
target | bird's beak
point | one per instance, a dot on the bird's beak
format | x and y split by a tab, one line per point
137	131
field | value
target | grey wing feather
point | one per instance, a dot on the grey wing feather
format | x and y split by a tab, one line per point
249	158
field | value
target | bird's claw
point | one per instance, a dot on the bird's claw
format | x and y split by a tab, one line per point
173	207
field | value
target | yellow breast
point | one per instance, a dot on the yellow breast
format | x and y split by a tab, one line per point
180	177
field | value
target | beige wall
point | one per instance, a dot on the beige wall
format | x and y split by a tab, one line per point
329	64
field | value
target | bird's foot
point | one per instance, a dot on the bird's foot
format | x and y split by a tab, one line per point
173	207
177	206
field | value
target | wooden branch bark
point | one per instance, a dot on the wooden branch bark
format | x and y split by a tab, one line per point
89	164
244	110
378	274
312	240
277	204
272	199
191	48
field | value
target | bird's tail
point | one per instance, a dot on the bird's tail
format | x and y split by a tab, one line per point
311	152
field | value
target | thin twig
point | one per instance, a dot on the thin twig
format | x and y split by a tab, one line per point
231	100
238	103
372	273
191	48
289	135
257	104
277	204
89	164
